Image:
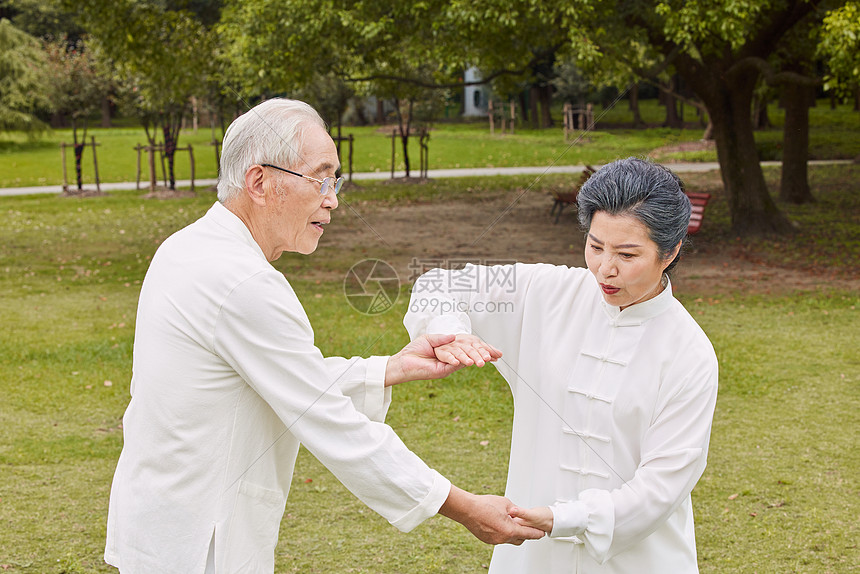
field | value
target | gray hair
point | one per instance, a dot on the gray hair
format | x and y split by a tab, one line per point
647	191
270	132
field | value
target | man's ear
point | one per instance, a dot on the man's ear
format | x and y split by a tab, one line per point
254	185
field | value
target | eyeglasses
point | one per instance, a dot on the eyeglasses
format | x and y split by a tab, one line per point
325	184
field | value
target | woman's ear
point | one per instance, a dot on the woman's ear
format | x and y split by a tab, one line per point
671	256
254	185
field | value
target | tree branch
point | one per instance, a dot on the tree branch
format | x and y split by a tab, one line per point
772	77
676	95
650	76
543	55
777	24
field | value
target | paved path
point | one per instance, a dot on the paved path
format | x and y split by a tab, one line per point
433	173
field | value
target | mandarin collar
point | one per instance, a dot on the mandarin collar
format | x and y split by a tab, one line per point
229	220
640	312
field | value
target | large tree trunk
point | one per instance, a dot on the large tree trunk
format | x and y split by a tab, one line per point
105	112
794	186
533	106
761	120
634	106
545	105
170	129
380	112
673	120
729	101
79	146
524	107
404	125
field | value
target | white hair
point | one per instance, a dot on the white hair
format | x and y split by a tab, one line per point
270	132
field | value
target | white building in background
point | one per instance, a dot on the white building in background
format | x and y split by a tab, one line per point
475	98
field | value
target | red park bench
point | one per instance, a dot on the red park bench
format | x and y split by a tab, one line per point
699	201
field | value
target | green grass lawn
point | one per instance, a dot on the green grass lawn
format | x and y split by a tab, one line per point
25	162
779	494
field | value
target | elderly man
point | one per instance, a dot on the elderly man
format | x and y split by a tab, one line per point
227	381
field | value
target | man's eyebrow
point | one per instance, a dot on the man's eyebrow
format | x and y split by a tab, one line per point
325	167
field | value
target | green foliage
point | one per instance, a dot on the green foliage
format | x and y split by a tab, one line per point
298	44
22	80
45	19
840	46
78	85
709	25
163	58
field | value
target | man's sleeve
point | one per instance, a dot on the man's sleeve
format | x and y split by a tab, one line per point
264	334
363	381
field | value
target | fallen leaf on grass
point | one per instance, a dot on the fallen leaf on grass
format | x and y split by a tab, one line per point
733	496
108	383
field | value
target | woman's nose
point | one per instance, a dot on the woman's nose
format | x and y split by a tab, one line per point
607	267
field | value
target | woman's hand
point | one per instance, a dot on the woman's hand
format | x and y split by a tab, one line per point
539	517
467	350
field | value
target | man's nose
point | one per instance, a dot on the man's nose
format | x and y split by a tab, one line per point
330	200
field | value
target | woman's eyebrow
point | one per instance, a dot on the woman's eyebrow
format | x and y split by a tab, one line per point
624	246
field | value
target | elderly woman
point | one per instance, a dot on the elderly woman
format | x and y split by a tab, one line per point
614	383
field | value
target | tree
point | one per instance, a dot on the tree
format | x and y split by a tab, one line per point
329	95
840	47
163	57
44	19
716	48
77	89
377	47
569	83
795	59
22	80
51	20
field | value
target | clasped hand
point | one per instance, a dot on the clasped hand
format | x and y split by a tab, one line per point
437	356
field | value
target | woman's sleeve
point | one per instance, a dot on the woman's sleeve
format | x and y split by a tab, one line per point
673	457
486	301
